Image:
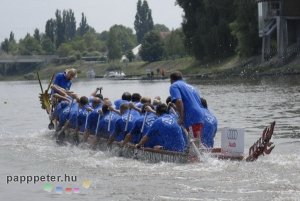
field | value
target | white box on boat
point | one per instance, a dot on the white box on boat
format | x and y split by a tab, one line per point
232	142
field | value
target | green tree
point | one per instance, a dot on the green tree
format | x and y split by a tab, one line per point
161	28
130	56
125	37
65	50
60	28
9	45
206	27
5	45
114	48
143	20
83	25
29	46
245	28
50	30
70	24
12	37
174	44
48	46
152	47
37	35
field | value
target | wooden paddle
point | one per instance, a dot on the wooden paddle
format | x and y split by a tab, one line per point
195	148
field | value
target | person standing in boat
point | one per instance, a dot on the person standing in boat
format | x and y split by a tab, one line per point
188	104
165	132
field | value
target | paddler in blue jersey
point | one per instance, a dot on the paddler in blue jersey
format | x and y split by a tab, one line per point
78	114
188	104
165	132
141	127
126	98
105	123
64	80
123	124
210	126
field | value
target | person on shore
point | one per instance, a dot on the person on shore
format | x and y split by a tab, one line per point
165	132
188	104
210	126
64	80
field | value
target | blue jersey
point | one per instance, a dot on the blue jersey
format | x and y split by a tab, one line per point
59	109
193	109
92	121
166	132
210	129
138	104
119	102
81	119
119	130
73	115
62	81
137	133
104	123
65	114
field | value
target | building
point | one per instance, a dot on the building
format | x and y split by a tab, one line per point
279	28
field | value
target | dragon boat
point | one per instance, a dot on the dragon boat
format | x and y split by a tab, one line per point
263	146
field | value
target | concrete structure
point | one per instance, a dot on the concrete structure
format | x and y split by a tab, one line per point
279	20
10	59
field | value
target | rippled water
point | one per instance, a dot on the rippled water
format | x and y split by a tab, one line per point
26	147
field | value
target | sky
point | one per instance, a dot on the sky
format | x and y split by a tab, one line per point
23	16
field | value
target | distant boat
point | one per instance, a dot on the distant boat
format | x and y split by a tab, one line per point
115	74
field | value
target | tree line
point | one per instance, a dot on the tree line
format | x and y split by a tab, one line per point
210	29
220	28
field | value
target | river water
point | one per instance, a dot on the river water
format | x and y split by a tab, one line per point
27	149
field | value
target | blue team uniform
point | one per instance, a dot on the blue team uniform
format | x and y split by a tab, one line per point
119	129
210	129
92	121
59	109
65	114
104	122
81	119
119	102
136	131
166	132
62	81
193	108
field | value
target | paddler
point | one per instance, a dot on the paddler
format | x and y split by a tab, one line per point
165	132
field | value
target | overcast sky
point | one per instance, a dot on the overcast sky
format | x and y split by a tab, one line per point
23	16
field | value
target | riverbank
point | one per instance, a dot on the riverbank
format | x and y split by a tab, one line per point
232	67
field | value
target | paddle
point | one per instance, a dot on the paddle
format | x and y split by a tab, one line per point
127	121
38	76
76	136
109	121
51	125
144	121
195	148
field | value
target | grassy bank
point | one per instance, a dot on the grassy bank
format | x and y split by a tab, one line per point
229	67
